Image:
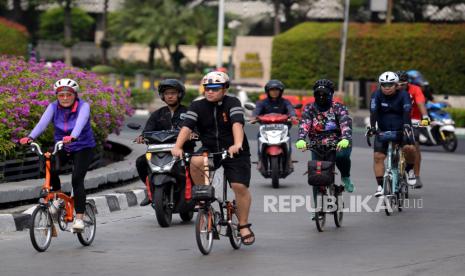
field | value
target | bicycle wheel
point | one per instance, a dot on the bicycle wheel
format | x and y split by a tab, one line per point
87	235
204	230
41	228
401	195
233	232
339	214
320	216
387	195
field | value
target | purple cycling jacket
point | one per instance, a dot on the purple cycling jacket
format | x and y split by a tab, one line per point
74	121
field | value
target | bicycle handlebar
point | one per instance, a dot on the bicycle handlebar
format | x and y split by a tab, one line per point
224	154
315	145
58	146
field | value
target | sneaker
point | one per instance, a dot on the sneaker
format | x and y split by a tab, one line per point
411	178
312	216
379	191
145	201
56	204
348	185
78	225
419	184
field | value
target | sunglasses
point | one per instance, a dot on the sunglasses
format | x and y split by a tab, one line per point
63	95
403	83
213	89
388	84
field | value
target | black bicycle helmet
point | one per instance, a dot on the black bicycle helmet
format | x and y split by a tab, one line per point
171	83
274	84
403	76
324	84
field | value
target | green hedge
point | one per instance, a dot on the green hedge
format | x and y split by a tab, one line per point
458	114
103	69
13	38
311	50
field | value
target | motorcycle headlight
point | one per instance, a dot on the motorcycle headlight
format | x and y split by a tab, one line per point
168	166
449	122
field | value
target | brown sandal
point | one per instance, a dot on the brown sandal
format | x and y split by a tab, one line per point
248	236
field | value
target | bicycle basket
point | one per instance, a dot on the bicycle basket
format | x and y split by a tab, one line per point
388	136
203	192
320	173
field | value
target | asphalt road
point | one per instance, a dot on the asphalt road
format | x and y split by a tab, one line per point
419	241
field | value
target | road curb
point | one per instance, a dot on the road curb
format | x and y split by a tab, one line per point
104	205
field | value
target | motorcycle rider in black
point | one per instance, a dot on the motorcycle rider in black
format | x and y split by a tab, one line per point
169	117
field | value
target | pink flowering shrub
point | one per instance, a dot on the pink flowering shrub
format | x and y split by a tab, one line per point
26	88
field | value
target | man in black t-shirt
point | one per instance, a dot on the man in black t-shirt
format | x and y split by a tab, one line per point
219	120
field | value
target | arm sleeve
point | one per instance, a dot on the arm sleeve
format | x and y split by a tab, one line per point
305	123
236	113
192	116
345	123
81	121
258	109
373	110
418	96
407	108
43	123
290	108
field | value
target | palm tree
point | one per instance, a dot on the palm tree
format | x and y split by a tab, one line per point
202	30
139	22
68	40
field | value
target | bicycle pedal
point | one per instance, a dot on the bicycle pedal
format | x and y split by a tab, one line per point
216	235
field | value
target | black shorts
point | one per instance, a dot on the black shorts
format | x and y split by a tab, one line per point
236	169
382	147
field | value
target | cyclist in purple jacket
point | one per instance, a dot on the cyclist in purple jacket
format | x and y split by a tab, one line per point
70	116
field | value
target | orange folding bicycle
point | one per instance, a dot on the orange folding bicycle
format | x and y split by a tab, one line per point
42	227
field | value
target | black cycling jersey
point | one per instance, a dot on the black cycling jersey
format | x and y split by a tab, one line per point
391	112
214	122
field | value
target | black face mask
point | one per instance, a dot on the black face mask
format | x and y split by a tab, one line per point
322	100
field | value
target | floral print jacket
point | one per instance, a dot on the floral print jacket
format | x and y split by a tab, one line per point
329	126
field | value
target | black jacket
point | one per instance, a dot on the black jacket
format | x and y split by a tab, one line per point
214	123
161	119
280	106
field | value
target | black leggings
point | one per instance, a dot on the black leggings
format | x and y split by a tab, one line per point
81	161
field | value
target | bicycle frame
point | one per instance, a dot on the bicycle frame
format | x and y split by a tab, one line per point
46	195
222	202
217	219
390	171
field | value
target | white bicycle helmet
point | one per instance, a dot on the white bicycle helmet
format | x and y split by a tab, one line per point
388	77
66	84
216	77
